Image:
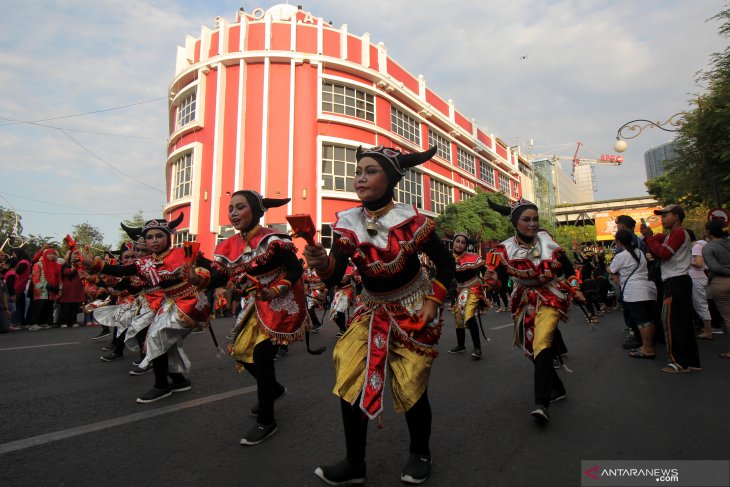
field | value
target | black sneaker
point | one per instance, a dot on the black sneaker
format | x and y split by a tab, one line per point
342	473
181	386
136	370
108	348
556	396
540	413
102	334
255	410
557	362
416	469
154	394
339	334
259	433
137	362
283	350
458	349
476	354
111	357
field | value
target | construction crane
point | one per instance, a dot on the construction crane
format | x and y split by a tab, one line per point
612	159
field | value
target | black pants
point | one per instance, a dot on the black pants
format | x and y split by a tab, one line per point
67	313
262	369
41	312
340	320
20	308
315	319
471	323
679	331
161	369
355	422
546	377
502	294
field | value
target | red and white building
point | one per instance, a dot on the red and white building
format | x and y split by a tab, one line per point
278	101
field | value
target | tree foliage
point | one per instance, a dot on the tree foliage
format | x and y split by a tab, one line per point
86	234
10	227
565	235
699	175
475	217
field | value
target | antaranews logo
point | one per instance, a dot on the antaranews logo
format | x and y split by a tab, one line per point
593	472
638	473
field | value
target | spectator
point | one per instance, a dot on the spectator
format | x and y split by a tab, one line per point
699	286
22	270
72	296
47	285
716	255
5	313
639	293
674	250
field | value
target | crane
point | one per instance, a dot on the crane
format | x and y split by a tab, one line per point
612	159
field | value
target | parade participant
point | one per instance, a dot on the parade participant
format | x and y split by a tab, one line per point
316	293
469	295
274	312
543	283
343	299
184	309
119	316
397	324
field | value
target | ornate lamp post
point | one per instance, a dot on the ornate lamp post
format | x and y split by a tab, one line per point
674	121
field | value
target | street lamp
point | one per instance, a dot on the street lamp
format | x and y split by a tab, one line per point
621	144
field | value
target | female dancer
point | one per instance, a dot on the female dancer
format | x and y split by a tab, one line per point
469	295
184	309
274	312
397	325
542	276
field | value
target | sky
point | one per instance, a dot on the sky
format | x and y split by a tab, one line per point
547	71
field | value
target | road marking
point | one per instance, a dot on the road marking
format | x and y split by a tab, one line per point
111	423
501	326
39	346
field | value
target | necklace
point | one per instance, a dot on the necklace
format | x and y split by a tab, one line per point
533	246
247	248
371	217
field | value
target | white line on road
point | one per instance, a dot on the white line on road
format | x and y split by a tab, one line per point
40	346
501	326
111	423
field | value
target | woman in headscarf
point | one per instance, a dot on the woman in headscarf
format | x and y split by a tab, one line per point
47	287
397	325
544	281
183	309
274	312
469	295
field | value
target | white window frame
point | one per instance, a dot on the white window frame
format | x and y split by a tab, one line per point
404	125
464	195
186	109
409	190
182	236
504	184
441	196
465	160
443	145
182	180
486	169
326	235
347	177
352	102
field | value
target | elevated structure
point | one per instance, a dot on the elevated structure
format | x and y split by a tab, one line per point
584	213
278	100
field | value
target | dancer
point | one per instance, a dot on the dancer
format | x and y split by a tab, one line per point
469	295
542	276
184	309
343	299
397	324
274	311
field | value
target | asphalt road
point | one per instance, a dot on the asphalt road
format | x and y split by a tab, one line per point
70	419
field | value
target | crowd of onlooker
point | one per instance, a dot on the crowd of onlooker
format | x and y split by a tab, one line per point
39	292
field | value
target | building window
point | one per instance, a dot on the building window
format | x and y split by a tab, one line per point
186	110
325	235
515	189
182	174
465	160
443	146
503	183
440	196
486	173
348	101
338	167
464	195
410	189
225	232
405	126
180	237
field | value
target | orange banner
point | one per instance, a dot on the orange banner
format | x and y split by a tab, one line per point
606	221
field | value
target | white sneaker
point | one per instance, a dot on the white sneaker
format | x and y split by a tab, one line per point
34	327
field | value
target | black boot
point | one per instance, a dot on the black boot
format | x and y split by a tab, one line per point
460	339
474	331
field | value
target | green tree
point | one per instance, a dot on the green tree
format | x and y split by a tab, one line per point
86	234
699	174
10	228
137	220
475	217
565	235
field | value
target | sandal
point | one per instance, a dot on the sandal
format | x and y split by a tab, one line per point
725	355
640	354
672	368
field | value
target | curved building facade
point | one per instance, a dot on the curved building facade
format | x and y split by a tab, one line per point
278	101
